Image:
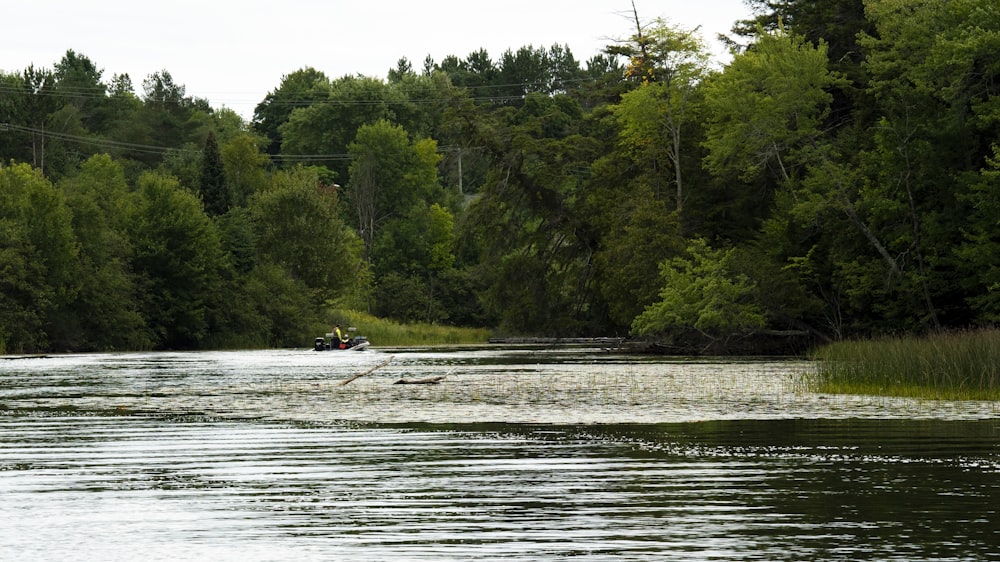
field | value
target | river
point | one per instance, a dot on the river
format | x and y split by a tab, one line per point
529	453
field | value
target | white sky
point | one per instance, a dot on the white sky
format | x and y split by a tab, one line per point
233	52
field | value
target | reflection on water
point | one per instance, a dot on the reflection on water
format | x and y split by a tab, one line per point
524	455
523	385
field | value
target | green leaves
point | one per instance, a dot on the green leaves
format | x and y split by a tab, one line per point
178	255
389	176
766	105
700	291
298	228
38	257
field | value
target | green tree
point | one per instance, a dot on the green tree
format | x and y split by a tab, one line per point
122	123
701	292
78	81
835	22
105	314
766	126
321	132
388	176
26	105
980	250
768	106
215	190
38	259
178	257
638	231
298	228
245	168
415	252
298	89
284	311
671	62
533	245
535	70
932	72
168	119
477	72
165	110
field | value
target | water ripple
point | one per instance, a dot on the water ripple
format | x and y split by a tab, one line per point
266	456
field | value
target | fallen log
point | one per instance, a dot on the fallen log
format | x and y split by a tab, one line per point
369	371
428	380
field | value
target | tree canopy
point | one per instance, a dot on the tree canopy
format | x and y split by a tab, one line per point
838	177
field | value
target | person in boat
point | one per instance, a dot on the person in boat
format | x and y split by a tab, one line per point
341	336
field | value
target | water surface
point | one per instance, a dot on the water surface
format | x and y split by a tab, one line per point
526	454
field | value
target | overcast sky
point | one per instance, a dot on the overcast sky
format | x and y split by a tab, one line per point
234	52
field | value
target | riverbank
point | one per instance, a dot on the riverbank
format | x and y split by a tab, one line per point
383	332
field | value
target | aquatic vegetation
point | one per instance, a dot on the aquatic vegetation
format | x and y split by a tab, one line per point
955	366
384	332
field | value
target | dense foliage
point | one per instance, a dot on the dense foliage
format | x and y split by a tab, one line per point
839	177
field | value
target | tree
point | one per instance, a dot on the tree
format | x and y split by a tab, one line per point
105	314
981	247
321	132
414	254
122	122
298	89
932	74
78	81
533	245
767	123
767	106
299	230
701	292
28	101
402	70
38	256
245	168
167	120
388	176
179	262
214	189
641	232
670	62
835	22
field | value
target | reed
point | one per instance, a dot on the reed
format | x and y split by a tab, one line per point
950	366
382	332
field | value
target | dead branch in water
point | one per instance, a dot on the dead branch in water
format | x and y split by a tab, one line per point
373	369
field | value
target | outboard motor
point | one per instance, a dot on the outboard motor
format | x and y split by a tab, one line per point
319	344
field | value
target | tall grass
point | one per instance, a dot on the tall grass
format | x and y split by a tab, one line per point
954	366
382	332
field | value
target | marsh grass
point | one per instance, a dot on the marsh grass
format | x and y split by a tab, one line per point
946	366
382	332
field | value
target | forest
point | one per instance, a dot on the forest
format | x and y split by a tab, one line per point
837	178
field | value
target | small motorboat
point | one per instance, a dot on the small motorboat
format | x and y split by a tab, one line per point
329	342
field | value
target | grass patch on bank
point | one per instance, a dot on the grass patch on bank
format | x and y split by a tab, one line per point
382	332
944	366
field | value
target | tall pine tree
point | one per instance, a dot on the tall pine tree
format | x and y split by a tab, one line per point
214	189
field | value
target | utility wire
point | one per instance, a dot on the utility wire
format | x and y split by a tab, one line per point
107	143
152	149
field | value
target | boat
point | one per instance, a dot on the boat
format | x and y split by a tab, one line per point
329	342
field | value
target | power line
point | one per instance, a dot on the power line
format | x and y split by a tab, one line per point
152	149
106	143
